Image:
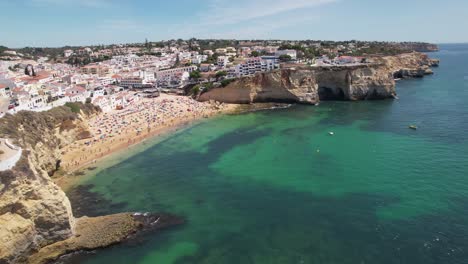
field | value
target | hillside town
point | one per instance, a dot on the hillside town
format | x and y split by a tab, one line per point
117	76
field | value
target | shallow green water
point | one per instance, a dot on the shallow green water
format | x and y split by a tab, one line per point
275	187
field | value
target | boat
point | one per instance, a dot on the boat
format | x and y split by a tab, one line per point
331	133
413	127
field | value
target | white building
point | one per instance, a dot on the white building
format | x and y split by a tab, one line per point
254	65
208	52
291	53
132	82
168	74
67	53
5	91
198	59
221	51
104	81
223	61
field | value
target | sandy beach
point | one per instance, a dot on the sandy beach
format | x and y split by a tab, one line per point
120	129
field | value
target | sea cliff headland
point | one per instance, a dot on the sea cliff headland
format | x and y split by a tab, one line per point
311	84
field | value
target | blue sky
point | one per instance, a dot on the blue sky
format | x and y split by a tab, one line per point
85	22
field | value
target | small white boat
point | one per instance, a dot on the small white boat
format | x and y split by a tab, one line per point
331	133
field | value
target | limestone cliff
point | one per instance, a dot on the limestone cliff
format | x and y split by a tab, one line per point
419	46
34	212
280	86
309	85
410	65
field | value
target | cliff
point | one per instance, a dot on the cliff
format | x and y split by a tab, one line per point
309	85
410	65
419	46
34	212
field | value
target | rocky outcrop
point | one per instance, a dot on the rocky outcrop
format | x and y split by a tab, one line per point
292	85
410	65
103	231
309	85
34	212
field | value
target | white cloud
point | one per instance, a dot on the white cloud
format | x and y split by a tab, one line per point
251	18
84	3
264	29
232	12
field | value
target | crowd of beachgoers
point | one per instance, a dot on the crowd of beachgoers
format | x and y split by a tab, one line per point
119	129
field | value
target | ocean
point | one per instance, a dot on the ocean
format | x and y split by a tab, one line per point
275	187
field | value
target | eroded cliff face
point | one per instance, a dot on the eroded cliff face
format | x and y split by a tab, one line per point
309	85
279	86
34	212
354	83
410	65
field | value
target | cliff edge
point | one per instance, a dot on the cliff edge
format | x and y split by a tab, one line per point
310	84
34	212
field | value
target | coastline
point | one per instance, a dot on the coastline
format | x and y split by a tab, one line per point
128	143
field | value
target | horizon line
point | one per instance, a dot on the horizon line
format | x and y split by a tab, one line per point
152	41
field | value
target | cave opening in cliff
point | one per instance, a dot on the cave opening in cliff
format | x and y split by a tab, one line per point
330	94
398	75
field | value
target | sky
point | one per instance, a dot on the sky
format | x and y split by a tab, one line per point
53	23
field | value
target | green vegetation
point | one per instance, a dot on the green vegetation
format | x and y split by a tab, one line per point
285	58
3	49
76	60
148	45
212	59
226	82
377	49
208	86
195	90
34	124
221	74
78	107
255	54
195	75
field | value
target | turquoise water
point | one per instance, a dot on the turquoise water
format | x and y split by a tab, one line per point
275	187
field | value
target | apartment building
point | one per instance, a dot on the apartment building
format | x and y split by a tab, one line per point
95	69
169	74
251	66
223	61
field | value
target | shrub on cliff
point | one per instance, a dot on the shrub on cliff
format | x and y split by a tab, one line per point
75	108
86	108
26	127
226	82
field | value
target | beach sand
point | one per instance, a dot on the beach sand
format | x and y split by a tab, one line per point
118	130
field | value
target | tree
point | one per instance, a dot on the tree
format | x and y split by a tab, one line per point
196	90
208	86
226	82
221	74
148	45
285	58
195	75
255	53
88	100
